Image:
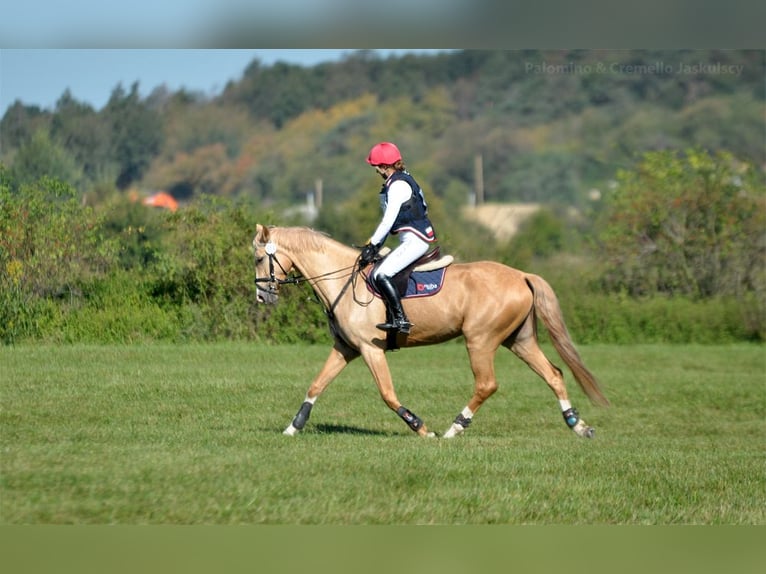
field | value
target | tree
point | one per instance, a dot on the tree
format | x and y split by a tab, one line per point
542	235
18	125
204	171
691	224
41	157
79	128
191	125
279	92
136	132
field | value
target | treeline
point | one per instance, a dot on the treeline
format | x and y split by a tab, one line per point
649	167
550	126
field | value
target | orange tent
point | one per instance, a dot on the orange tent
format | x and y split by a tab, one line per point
162	199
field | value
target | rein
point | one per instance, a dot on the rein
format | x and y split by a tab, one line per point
272	281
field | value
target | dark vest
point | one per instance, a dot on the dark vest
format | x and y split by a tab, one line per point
413	215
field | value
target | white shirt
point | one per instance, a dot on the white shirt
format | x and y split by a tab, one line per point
399	193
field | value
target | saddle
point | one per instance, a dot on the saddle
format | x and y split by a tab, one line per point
421	278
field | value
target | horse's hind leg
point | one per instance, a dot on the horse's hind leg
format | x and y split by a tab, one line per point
340	356
485	385
526	347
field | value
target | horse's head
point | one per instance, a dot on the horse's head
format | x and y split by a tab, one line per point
271	266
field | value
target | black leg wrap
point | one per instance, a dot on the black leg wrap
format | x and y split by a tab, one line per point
462	421
571	416
303	415
410	418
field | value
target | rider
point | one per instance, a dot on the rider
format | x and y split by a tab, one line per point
404	213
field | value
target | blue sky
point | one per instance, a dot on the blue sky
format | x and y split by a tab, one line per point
40	76
184	23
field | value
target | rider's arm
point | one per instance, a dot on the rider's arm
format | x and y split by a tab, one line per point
398	194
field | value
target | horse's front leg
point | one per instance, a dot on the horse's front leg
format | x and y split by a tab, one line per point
376	361
340	356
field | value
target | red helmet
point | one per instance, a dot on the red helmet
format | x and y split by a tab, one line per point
384	153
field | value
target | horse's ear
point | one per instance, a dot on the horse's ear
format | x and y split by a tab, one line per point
261	233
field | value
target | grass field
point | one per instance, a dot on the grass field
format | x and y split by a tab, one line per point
191	434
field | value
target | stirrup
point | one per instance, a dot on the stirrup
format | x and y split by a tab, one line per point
402	326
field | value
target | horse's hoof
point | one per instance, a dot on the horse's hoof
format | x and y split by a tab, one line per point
454	431
290	431
583	430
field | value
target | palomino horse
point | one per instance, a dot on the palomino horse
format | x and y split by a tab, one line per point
488	303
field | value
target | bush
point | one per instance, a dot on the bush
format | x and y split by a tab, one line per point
623	320
123	274
50	247
690	224
113	309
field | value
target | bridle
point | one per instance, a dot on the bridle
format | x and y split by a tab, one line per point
273	282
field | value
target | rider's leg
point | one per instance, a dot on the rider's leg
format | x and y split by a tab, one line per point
409	250
399	321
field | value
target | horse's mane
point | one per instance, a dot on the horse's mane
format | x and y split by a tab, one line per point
304	238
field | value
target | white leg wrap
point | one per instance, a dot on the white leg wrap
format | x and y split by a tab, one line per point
454	430
456	427
290	431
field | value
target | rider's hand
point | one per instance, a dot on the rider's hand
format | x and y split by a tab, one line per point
369	252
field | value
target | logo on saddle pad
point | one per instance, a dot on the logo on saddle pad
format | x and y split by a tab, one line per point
424	283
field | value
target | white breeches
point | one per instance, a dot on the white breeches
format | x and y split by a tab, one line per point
410	248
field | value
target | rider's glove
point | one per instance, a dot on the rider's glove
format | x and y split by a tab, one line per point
369	252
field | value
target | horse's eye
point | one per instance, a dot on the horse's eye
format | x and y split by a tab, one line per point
259	259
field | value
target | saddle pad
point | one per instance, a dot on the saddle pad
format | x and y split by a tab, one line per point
425	283
419	284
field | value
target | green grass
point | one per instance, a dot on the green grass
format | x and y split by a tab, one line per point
191	434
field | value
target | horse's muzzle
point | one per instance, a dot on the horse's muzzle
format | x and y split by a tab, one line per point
266	296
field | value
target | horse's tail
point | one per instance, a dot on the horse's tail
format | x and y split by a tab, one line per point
547	308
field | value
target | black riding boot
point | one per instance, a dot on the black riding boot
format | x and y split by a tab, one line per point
394	304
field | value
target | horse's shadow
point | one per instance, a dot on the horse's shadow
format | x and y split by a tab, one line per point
342	430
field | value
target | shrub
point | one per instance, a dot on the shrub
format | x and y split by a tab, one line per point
124	273
691	224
